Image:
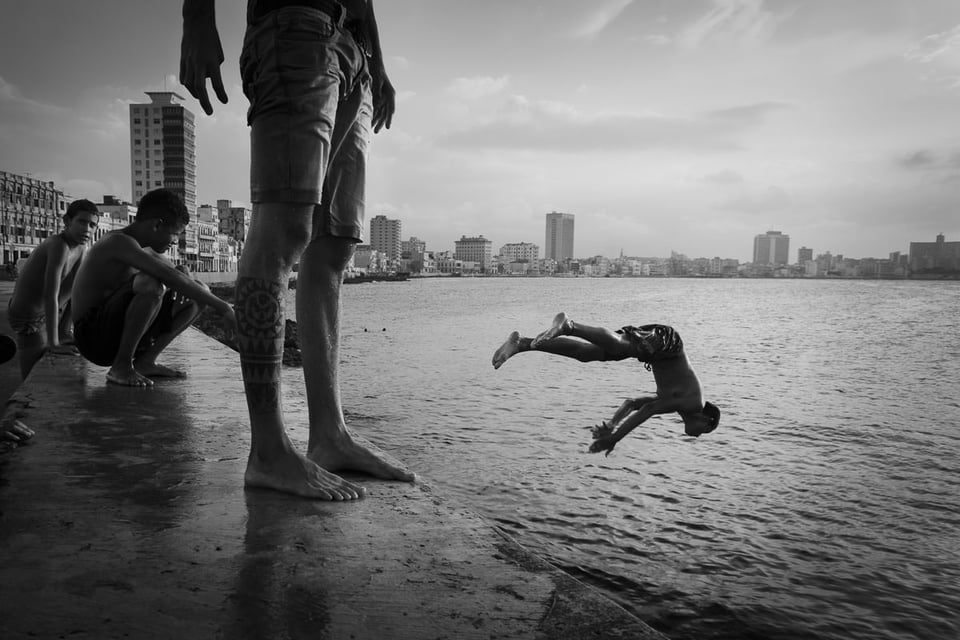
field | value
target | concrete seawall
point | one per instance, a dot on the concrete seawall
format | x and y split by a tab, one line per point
126	516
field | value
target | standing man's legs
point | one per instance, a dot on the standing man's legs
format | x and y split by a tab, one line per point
277	237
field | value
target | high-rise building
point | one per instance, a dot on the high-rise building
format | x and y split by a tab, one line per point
163	148
804	255
559	237
932	256
385	236
476	249
771	247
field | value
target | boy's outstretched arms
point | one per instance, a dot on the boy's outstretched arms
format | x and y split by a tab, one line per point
631	414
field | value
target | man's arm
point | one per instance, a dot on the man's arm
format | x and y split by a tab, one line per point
57	253
384	95
201	53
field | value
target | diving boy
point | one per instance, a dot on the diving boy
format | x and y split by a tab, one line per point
125	304
658	346
38	312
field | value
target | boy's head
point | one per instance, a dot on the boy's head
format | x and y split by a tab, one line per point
165	214
81	220
704	421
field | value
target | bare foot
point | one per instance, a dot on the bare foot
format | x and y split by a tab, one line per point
346	454
15	431
290	472
128	378
159	371
509	348
560	326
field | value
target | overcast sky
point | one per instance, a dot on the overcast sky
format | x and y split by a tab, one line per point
683	125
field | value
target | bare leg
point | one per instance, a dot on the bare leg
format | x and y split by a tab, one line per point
278	234
146	363
318	323
509	348
614	345
30	349
140	315
560	326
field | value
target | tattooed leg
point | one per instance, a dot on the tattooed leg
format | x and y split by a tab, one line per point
264	269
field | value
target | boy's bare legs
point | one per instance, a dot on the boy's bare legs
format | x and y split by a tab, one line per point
568	339
30	348
278	235
141	312
184	313
318	325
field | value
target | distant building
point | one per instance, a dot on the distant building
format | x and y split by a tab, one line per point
163	148
477	249
804	255
771	248
935	256
234	223
31	211
385	236
519	252
559	236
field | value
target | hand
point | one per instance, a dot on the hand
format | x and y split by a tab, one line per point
384	100
201	55
605	444
15	431
230	321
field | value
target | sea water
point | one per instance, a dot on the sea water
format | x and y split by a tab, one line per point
826	505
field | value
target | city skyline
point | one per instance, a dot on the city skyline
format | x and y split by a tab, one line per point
681	126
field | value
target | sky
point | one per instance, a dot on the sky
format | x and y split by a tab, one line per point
662	125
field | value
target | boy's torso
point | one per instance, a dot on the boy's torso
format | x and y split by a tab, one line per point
101	273
28	295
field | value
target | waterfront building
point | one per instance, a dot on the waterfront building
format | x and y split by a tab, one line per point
385	236
163	148
234	223
475	249
559	236
519	252
935	256
804	255
31	211
772	247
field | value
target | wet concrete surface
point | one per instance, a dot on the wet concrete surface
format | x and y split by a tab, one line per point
126	517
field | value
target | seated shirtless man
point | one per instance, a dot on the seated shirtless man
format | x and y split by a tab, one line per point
658	346
130	302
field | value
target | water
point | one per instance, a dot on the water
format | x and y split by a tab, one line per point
825	506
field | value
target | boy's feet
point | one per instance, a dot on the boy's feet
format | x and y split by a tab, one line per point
155	370
561	326
128	378
510	347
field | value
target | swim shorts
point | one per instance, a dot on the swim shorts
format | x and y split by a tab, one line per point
98	332
653	342
310	116
24	324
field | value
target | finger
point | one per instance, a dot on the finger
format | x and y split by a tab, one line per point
217	81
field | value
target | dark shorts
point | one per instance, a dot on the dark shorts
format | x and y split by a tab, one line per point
310	116
653	342
97	334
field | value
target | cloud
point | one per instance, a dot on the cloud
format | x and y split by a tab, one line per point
522	124
477	87
602	15
770	200
726	176
740	21
939	54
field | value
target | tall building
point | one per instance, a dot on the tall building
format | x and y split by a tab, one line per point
559	237
476	249
163	148
771	247
804	255
385	236
234	222
31	211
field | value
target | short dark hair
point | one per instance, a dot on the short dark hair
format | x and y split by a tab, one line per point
711	411
165	205
80	205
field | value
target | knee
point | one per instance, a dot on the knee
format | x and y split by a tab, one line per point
334	253
148	286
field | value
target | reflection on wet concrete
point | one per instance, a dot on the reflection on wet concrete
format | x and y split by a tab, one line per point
127	517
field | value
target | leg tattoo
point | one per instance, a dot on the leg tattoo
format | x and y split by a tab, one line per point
260	325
